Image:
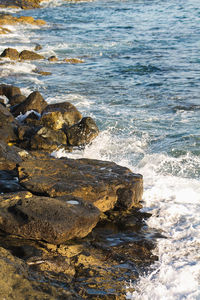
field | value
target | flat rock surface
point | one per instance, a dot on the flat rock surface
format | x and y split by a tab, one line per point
105	184
43	218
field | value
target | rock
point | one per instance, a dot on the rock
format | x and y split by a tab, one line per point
11	53
8	125
4	30
30	55
105	184
33	119
9	157
38	47
53	58
69	112
82	133
43	73
16	282
30	20
16	99
43	218
9	182
8	19
47	139
34	101
73	60
53	120
9	90
25	4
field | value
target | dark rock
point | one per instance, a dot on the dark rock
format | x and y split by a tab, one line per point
34	101
30	55
25	4
9	91
9	157
16	282
33	119
16	99
8	125
11	53
69	112
82	133
9	182
38	47
97	182
47	139
43	218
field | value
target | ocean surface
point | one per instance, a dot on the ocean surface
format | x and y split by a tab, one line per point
140	81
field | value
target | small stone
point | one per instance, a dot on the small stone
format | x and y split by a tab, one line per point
53	58
73	60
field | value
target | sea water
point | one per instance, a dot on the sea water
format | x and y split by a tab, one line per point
140	81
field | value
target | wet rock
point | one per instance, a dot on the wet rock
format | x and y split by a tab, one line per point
82	133
11	53
8	125
4	30
16	282
43	218
34	101
29	55
53	120
48	139
38	47
43	73
9	182
73	60
16	99
8	19
97	182
69	112
53	58
25	4
9	157
9	90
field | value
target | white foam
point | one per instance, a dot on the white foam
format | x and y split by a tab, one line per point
73	202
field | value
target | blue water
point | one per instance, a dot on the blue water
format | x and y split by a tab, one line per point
140	81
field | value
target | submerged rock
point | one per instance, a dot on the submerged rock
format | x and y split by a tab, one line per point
105	184
43	218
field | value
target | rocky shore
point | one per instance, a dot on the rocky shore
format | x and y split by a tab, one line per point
69	228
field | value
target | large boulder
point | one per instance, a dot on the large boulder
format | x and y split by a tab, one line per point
82	133
43	218
11	53
16	99
8	125
34	101
9	157
53	120
48	139
105	184
30	55
69	112
9	90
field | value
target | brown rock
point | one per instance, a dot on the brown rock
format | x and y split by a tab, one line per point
53	58
34	101
69	112
82	133
43	73
8	125
16	99
9	157
53	120
104	184
30	55
4	30
9	90
11	53
47	139
38	47
73	60
44	218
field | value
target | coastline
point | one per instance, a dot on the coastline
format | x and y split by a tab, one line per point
36	212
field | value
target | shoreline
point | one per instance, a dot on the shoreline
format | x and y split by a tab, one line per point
37	209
